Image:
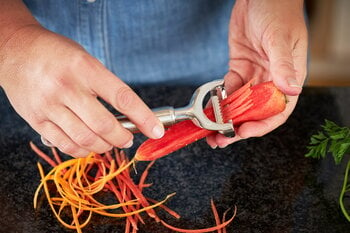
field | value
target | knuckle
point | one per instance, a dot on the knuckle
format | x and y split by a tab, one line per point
104	126
123	139
285	63
80	59
36	119
273	37
125	99
60	81
85	139
68	148
83	60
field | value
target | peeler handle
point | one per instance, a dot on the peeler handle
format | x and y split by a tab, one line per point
166	115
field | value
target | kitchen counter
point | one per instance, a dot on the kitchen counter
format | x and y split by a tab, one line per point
275	188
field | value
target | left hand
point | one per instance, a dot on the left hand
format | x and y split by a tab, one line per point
267	41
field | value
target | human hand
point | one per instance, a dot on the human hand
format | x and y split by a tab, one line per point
53	83
267	41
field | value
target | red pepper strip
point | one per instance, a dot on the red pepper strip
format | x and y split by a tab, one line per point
55	155
144	175
138	194
210	229
113	188
216	215
237	94
223	220
108	156
167	209
127	226
42	155
121	197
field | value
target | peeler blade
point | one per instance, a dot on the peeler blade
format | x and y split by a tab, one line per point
216	89
217	95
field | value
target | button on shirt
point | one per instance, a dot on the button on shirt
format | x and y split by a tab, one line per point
145	42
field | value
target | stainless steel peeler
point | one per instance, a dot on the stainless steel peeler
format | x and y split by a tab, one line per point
193	111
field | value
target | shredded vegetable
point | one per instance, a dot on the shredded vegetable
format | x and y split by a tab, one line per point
77	182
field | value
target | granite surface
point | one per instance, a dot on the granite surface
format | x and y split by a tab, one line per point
275	188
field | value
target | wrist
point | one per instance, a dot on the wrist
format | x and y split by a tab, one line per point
13	18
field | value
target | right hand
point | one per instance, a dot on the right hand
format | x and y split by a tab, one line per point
53	83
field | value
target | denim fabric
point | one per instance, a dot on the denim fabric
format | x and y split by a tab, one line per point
146	41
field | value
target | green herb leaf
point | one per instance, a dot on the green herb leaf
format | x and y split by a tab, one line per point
332	139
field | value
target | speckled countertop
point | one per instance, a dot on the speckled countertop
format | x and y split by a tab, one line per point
273	186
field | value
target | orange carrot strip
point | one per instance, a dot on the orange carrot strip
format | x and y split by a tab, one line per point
147	208
76	220
47	193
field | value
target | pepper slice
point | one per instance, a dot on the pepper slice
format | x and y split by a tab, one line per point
246	104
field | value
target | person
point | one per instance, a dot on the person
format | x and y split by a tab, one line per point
55	65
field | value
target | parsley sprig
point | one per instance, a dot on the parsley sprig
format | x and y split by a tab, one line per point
335	140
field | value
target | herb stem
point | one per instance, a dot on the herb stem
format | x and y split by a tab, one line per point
344	190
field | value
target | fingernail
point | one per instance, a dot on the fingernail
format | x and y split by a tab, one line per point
222	146
213	147
293	83
129	144
158	131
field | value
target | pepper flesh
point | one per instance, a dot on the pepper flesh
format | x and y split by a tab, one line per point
246	104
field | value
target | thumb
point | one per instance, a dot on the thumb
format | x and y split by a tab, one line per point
282	67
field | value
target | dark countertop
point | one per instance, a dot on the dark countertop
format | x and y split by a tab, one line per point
274	187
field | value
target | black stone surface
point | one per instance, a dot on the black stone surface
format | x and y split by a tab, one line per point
273	186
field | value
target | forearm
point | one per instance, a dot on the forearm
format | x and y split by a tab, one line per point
14	16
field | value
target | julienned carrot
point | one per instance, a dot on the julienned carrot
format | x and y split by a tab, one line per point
246	104
76	191
76	185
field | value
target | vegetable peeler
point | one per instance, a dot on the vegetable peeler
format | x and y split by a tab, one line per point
193	111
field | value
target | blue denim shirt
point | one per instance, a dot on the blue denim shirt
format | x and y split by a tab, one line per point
145	42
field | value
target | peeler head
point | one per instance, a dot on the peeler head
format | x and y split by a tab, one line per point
217	92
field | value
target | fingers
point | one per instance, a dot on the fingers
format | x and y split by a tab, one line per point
126	101
77	130
282	67
262	127
254	128
300	59
101	123
60	139
233	81
221	141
